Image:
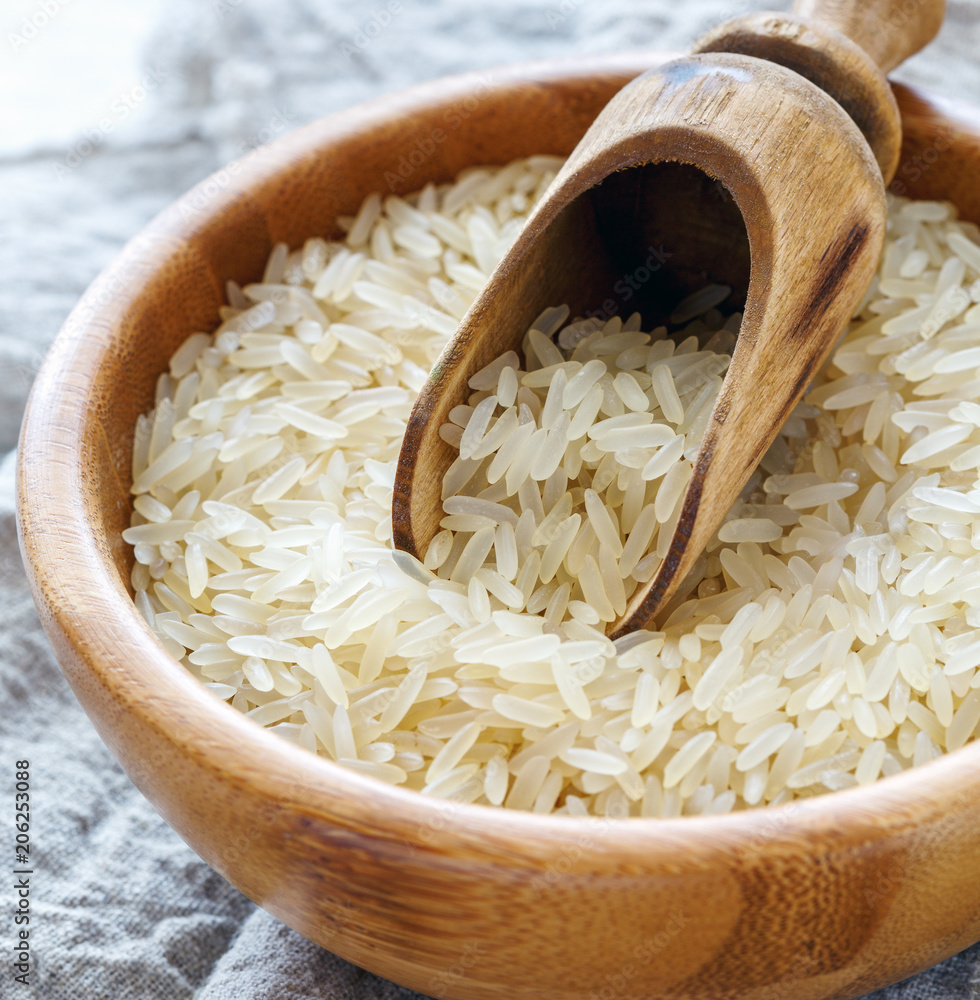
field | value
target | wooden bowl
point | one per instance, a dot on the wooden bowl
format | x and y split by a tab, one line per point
831	897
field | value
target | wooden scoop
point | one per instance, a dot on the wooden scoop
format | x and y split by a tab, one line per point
759	162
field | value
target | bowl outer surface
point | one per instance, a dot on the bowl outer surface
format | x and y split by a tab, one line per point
832	897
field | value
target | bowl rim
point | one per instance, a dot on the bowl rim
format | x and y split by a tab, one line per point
166	697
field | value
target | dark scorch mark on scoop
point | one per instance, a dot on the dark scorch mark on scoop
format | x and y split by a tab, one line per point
834	266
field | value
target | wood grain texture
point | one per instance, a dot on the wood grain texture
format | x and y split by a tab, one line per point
888	30
837	65
828	898
812	210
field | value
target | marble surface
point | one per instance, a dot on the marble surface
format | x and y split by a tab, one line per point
108	111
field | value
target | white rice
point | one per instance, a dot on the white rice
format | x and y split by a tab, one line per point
827	638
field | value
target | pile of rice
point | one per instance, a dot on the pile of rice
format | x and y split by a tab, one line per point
827	638
577	482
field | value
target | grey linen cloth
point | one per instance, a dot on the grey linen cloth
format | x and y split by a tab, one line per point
121	907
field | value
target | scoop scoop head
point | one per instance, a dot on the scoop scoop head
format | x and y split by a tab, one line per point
712	168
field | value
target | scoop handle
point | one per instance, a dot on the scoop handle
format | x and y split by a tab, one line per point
888	30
